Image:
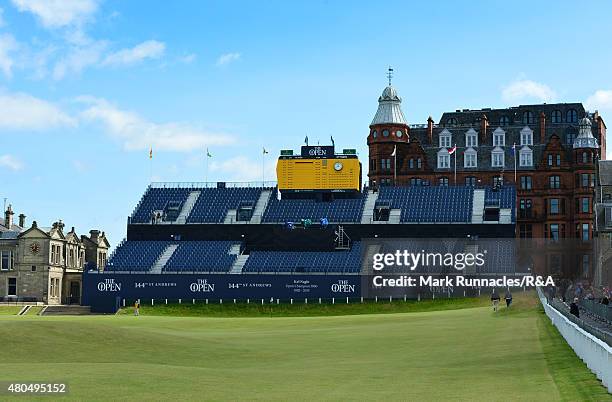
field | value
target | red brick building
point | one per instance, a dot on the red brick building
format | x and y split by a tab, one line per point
549	151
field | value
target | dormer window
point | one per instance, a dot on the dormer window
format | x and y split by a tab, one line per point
497	157
571	116
528	117
471	138
451	121
526	136
443	159
499	137
470	158
504	121
445	139
525	157
555	117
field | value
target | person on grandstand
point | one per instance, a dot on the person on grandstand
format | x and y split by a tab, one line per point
508	298
137	308
495	299
574	308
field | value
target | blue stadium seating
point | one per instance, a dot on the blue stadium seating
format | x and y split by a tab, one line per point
505	197
213	203
135	255
430	204
156	199
336	211
305	261
201	256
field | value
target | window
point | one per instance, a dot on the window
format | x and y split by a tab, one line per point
555	117
451	121
419	163
470	181
498	181
585	232
499	137
585	157
569	138
385	133
12	287
399	133
556	206
52	253
497	158
445	139
5	260
526	136
550	159
443	159
585	205
504	121
33	268
373	165
584	180
411	163
554	182
471	138
525	208
525	182
374	134
528	117
525	157
443	181
554	231
385	164
469	159
572	116
525	231
558	159
415	181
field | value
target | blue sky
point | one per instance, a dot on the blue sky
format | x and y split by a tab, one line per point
88	86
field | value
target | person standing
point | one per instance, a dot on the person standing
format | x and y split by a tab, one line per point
137	308
508	298
574	308
495	299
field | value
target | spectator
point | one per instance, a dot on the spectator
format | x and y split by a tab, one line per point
495	299
574	308
605	300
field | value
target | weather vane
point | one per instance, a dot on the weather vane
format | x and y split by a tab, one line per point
390	74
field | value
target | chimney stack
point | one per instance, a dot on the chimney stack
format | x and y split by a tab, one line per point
93	235
484	126
22	220
542	128
430	123
8	217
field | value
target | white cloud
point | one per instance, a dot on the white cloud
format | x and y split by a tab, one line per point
150	49
600	100
242	168
59	13
11	162
7	46
137	133
188	58
227	58
24	112
527	90
79	58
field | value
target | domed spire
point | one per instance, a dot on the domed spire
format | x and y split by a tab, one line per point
389	106
585	137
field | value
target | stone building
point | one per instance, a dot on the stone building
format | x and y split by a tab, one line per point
603	225
44	264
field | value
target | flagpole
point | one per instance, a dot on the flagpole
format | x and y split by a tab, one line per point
514	149
395	166
455	164
263	170
206	171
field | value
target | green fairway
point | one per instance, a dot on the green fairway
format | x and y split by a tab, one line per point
465	354
10	310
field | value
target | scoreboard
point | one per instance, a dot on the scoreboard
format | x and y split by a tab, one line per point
318	169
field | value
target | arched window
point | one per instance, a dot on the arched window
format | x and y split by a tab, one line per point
419	163
504	121
555	117
572	116
385	133
374	134
411	163
528	117
451	121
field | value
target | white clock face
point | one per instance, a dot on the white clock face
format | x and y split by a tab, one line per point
338	166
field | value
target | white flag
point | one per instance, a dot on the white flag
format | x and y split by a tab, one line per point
394	149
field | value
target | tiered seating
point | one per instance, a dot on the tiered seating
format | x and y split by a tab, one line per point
135	255
305	261
430	204
338	210
201	256
213	203
156	199
505	197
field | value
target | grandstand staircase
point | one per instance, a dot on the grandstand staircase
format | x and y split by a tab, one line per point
395	216
163	259
505	215
478	206
368	208
239	264
188	206
260	207
230	217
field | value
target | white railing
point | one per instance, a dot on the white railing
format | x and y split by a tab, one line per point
593	351
213	184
